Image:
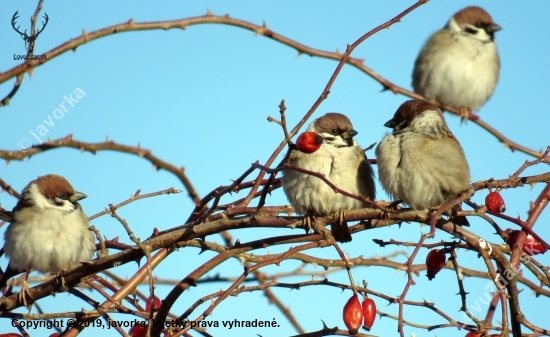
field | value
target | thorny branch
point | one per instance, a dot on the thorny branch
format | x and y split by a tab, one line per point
108	145
377	215
263	30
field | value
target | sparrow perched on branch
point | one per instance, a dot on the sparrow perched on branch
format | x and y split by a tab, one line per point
48	230
459	64
342	161
421	162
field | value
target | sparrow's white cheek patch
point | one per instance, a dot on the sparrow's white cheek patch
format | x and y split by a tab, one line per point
40	202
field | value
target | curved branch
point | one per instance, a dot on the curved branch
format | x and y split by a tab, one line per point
209	18
108	145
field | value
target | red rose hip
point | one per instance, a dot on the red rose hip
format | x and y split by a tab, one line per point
435	260
353	314
495	203
155	301
309	142
137	331
369	313
472	334
531	245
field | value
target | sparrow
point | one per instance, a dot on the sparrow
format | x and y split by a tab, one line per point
342	161
421	162
48	230
459	64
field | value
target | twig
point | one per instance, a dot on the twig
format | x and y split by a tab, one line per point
462	292
7	187
136	196
410	282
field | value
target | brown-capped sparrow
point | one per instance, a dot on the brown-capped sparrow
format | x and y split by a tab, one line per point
48	230
459	64
342	161
421	162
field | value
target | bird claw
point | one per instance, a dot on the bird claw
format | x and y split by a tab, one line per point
308	219
61	280
464	114
341	215
24	294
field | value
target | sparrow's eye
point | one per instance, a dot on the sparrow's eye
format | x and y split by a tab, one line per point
334	131
479	25
63	195
470	30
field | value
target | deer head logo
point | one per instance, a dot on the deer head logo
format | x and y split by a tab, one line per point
29	40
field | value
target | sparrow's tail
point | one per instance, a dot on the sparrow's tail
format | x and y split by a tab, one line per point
341	232
459	220
6	216
9	273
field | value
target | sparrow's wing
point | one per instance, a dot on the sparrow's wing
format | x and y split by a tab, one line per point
6	216
365	177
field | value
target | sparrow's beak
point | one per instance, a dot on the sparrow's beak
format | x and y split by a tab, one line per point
349	134
77	196
493	28
390	124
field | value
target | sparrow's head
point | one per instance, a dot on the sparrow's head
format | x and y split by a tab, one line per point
475	22
335	128
51	192
417	114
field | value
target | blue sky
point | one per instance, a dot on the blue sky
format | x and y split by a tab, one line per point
199	98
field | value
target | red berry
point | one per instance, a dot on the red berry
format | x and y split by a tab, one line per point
353	314
10	335
435	260
472	334
369	313
495	203
155	301
309	142
55	334
531	246
137	331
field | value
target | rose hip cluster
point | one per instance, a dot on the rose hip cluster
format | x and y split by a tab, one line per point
531	246
355	314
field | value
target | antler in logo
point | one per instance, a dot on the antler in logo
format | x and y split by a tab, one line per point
29	40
